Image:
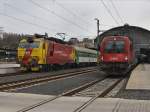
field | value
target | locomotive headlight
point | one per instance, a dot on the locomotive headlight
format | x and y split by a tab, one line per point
126	58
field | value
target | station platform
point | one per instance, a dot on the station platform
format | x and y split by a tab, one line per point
15	102
140	78
10	65
9	68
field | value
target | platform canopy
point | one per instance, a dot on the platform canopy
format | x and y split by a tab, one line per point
139	35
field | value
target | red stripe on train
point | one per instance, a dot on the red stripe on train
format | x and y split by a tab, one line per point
27	56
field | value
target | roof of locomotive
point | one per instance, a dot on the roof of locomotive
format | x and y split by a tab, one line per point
56	40
51	38
81	49
39	37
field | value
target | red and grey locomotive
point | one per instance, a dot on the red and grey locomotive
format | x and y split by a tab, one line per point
116	55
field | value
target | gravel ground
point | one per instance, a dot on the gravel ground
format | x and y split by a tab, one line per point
97	88
116	90
134	94
34	75
63	85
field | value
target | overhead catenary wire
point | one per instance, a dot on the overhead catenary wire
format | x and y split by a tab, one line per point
27	22
26	13
84	36
106	25
24	21
107	9
37	17
57	15
71	12
117	12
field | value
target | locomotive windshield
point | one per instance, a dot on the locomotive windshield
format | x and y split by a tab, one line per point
114	47
29	45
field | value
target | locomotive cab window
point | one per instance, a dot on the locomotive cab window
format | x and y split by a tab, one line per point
35	45
29	45
114	47
23	45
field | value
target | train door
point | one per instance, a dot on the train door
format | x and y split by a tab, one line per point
50	52
51	49
44	52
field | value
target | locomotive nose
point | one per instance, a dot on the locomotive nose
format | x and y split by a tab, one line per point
31	62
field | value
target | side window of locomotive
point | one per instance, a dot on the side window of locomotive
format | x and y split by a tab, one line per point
51	49
23	45
35	45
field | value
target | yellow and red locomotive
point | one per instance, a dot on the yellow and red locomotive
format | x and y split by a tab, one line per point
38	53
41	52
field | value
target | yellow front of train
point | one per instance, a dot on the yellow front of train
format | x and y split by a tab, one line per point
31	53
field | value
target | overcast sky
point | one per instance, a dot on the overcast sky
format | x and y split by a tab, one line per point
73	17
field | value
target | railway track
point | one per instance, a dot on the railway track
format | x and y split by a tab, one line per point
26	76
28	73
102	87
98	94
96	88
101	93
10	86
